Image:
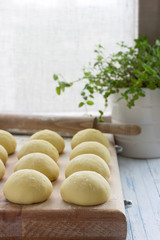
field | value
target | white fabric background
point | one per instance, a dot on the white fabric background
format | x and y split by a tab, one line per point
39	38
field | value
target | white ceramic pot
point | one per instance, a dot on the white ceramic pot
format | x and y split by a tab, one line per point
146	114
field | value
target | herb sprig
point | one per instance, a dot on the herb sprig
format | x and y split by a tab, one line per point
132	68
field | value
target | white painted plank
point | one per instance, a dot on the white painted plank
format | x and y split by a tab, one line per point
147	197
129	226
148	200
154	166
139	185
136	228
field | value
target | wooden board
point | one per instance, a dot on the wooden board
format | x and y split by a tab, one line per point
57	220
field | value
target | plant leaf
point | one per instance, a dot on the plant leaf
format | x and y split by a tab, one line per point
148	69
90	102
55	77
81	104
119	99
101	112
58	90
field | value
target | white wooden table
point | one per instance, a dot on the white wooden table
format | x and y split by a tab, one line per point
141	183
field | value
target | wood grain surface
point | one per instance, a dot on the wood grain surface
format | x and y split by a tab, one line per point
57	220
141	183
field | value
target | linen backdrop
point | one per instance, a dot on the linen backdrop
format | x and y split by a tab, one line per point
39	38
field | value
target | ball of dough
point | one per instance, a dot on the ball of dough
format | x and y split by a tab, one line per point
88	162
40	146
2	169
8	141
3	154
27	186
40	162
85	188
91	147
54	138
88	135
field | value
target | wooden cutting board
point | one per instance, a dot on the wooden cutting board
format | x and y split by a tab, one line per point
57	220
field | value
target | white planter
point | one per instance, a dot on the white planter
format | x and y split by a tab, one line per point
146	114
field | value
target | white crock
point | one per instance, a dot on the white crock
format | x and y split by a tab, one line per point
146	114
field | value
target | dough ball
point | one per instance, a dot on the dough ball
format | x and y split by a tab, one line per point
88	135
40	146
40	162
3	154
85	188
91	147
88	162
27	186
54	138
8	141
2	169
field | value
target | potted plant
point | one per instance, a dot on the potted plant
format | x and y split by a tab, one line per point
130	80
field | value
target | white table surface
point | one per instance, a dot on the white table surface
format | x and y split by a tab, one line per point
140	180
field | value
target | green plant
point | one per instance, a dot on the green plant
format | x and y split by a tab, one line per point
133	68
